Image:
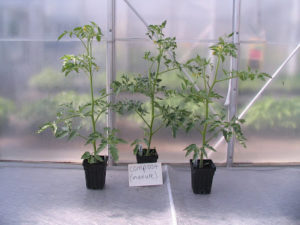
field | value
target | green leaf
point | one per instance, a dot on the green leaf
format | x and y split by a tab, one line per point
136	149
135	142
99	158
146	141
72	134
114	153
44	127
91	160
195	155
62	35
202	149
61	133
54	127
93	23
210	147
101	147
191	148
86	155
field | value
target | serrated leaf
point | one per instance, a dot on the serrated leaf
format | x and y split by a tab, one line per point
190	148
210	147
99	158
61	133
91	160
101	147
86	155
72	134
202	149
114	153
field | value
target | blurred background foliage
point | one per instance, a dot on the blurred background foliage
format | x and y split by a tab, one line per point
32	85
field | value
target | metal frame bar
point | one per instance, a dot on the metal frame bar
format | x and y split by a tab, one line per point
110	65
232	94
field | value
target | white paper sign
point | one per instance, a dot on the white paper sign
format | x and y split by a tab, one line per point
144	174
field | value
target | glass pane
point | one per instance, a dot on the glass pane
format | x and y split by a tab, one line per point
32	87
46	19
189	20
270	20
272	124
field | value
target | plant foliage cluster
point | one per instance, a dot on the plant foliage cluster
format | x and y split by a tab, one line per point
206	73
156	112
93	109
209	124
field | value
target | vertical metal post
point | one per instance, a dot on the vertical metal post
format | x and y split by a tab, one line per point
233	84
110	65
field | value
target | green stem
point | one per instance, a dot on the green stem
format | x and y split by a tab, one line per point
140	115
228	78
158	115
83	137
89	52
157	129
204	141
152	105
165	71
99	115
84	45
204	132
215	76
67	118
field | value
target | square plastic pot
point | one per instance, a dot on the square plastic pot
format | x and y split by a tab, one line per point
95	173
202	178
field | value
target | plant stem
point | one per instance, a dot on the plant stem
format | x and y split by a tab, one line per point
152	105
157	129
204	133
140	115
83	137
168	70
99	114
89	53
228	78
67	118
207	110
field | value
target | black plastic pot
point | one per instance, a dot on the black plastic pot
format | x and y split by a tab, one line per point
95	173
152	158
202	177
